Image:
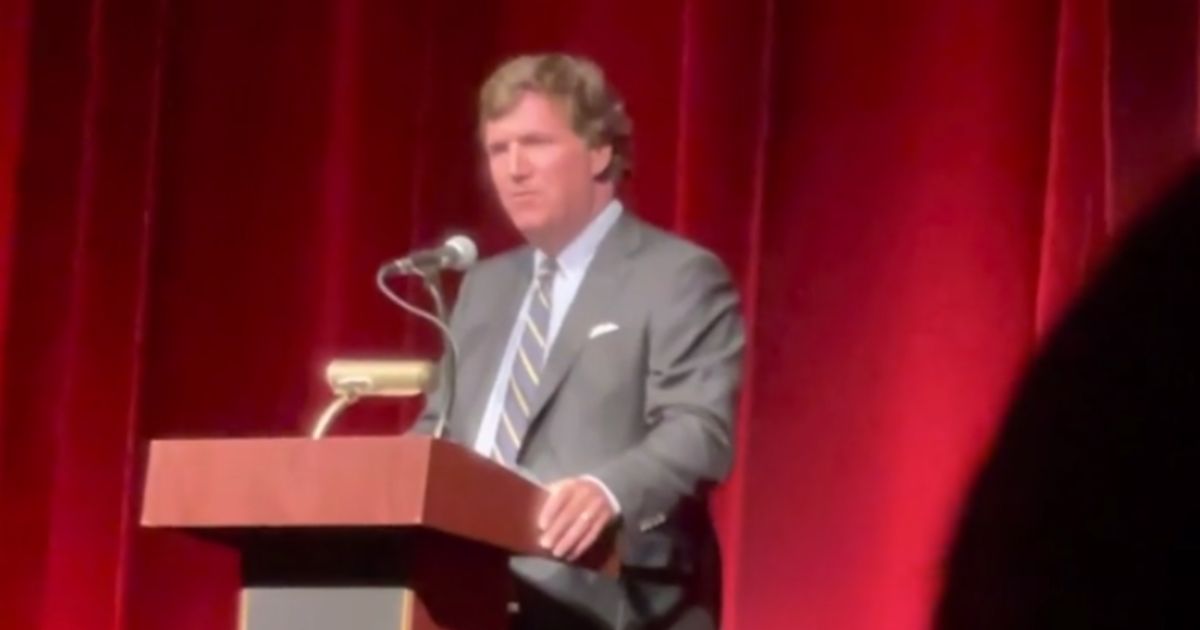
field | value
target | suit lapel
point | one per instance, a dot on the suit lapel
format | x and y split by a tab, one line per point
597	296
503	302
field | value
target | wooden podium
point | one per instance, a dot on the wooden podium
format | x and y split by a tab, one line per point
355	533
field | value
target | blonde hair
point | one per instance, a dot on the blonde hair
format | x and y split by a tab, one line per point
594	108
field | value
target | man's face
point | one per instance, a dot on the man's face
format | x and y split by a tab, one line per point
544	173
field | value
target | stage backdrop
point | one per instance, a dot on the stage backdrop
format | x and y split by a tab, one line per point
194	195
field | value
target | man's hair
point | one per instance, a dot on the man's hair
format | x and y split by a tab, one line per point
594	108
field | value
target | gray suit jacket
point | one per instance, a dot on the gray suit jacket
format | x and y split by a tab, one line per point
647	408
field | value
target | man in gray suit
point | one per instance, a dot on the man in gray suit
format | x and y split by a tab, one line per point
603	359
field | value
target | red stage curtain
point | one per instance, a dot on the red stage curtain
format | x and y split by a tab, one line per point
196	194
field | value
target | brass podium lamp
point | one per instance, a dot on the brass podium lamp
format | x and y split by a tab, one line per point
351	380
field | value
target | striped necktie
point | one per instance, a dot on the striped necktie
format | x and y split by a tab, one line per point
525	374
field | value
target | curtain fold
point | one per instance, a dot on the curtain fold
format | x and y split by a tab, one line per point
14	32
194	195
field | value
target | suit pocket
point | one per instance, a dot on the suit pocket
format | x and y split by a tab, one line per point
651	550
613	344
660	550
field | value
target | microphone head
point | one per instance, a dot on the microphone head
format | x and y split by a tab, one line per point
463	252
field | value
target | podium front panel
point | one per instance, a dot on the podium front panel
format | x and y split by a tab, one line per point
326	608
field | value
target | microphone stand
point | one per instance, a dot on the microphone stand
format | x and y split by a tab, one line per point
448	373
448	368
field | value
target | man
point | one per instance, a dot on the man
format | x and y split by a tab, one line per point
602	359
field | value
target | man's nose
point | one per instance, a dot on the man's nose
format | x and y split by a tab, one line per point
518	164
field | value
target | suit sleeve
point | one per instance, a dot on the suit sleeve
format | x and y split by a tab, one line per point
696	341
426	422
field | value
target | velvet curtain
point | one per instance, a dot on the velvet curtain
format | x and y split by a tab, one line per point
194	195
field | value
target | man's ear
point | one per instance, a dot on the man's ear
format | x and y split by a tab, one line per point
601	159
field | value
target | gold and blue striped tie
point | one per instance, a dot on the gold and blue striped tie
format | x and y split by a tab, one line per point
525	375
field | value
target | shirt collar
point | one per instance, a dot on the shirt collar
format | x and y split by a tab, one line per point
574	259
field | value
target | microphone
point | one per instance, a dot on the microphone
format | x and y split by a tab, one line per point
458	252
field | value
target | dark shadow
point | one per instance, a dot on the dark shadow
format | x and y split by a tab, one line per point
1084	515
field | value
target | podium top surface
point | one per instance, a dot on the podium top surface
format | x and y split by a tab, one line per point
343	482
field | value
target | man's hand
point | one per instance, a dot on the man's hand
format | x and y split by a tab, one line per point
574	516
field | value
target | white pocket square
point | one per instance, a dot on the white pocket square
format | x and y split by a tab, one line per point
602	329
